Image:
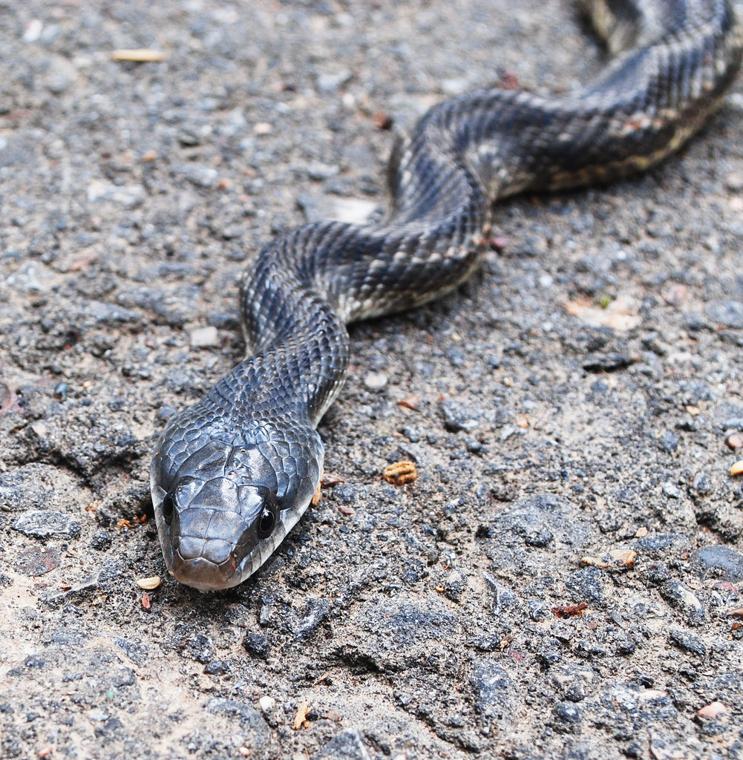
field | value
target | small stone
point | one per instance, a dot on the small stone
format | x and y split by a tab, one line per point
200	175
671	490
712	711
726	313
688	642
568	712
734	441
317	611
262	128
702	484
42	523
101	540
256	644
216	668
375	381
37	561
493	689
722	560
347	745
680	597
204	337
266	703
734	182
737	469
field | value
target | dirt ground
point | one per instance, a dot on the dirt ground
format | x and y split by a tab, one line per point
565	577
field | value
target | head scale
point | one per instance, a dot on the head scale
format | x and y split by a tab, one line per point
225	499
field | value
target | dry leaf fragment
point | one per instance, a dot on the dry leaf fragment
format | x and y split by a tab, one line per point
139	55
150	583
570	610
300	719
400	473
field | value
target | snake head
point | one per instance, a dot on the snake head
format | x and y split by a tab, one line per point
224	502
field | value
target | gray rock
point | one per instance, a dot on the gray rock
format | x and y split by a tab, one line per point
346	745
493	689
681	598
726	313
41	523
721	560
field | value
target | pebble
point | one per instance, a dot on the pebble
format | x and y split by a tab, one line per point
493	689
346	745
720	560
734	441
266	703
375	381
316	612
688	642
204	337
680	597
200	175
734	182
256	644
43	523
712	711
37	561
128	196
726	313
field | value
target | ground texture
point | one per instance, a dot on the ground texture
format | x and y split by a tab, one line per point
564	578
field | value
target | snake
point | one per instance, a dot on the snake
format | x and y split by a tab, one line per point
233	473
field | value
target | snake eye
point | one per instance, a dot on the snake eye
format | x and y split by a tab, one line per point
167	507
266	523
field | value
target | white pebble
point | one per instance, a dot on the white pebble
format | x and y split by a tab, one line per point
204	337
266	703
375	381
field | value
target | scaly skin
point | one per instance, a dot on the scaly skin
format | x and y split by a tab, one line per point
232	474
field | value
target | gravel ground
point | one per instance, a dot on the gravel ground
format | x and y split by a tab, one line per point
565	577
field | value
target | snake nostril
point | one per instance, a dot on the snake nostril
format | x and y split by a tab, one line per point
167	507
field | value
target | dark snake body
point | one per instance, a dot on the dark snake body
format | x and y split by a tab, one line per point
233	473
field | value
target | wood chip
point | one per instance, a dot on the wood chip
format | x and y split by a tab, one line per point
150	583
410	402
400	473
736	612
139	55
317	496
737	468
300	719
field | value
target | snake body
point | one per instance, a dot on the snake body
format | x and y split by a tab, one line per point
233	473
